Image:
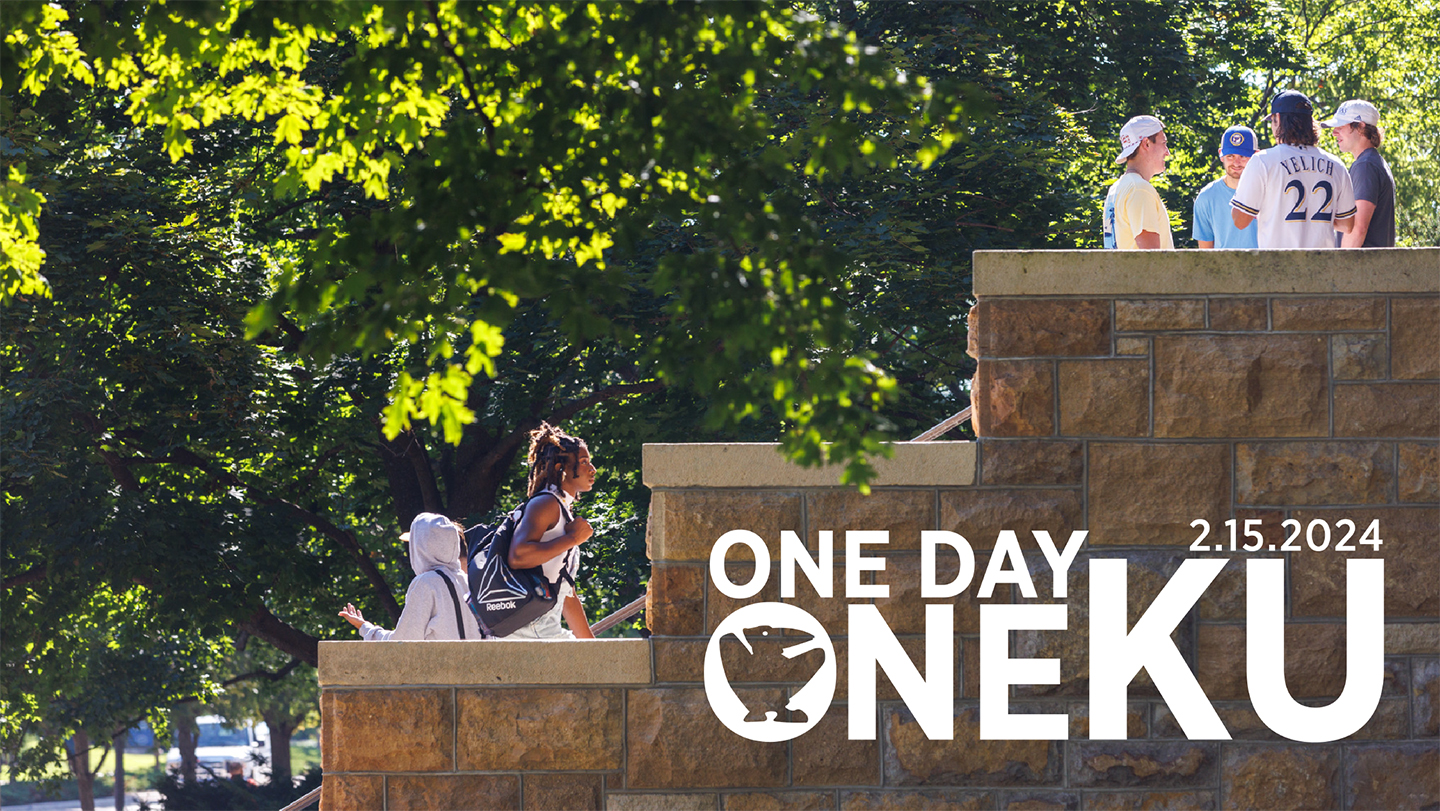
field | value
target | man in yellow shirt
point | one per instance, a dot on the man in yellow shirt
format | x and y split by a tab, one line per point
1135	216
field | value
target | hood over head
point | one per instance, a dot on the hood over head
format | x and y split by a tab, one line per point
435	544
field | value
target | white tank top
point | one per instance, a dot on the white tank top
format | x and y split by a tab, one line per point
570	558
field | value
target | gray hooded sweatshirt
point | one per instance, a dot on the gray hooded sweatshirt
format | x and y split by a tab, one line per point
429	610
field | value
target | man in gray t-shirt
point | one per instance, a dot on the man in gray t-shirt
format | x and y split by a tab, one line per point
1356	127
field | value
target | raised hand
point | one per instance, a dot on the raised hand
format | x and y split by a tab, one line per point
352	615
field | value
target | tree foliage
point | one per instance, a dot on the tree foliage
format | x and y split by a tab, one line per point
1384	51
104	663
507	149
270	687
312	268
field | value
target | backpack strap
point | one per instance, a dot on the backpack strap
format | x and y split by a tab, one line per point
459	620
569	553
565	570
519	515
564	511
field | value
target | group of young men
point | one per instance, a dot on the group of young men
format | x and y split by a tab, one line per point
1293	195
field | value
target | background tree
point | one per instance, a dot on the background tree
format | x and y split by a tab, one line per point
1383	51
272	688
185	728
78	683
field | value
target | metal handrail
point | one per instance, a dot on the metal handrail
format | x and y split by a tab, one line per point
304	802
626	612
944	426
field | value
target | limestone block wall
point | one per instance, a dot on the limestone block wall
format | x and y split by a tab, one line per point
475	725
1125	394
1237	385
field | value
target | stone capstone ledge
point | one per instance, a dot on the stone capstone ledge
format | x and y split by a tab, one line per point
759	464
489	663
1177	273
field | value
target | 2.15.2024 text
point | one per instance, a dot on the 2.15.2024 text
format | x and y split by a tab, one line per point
1318	535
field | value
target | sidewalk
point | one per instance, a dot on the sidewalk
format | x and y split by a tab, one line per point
105	803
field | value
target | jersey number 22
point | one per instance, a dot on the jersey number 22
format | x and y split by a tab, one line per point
1298	213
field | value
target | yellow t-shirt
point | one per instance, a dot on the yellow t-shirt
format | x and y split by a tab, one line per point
1133	206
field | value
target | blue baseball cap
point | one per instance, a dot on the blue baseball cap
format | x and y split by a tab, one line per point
1291	101
1238	141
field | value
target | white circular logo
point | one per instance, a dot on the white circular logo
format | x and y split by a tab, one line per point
813	699
1237	138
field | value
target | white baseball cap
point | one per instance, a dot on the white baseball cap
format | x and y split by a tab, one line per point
1354	111
1136	130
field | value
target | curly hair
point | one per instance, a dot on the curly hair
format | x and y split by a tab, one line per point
552	454
1297	129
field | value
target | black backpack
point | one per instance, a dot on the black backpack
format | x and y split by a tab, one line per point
505	599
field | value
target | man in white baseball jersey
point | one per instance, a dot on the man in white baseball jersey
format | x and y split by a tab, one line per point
1135	216
1356	127
1300	194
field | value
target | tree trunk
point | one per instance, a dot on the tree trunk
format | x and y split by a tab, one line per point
80	767
186	740
120	741
406	491
280	732
187	734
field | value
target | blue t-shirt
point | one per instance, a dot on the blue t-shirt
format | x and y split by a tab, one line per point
1213	222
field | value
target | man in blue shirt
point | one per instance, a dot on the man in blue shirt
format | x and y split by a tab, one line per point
1214	228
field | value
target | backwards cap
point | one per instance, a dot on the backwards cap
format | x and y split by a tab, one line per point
1136	130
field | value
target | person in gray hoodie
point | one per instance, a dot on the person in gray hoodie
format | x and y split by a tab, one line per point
433	611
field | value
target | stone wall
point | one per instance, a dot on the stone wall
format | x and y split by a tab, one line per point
1126	394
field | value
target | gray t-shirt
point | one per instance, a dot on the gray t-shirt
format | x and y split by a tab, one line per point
1373	182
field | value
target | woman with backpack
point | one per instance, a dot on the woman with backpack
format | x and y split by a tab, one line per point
549	534
433	607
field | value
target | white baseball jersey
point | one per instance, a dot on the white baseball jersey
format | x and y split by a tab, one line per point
1295	193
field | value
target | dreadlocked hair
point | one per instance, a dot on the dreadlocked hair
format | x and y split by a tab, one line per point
552	453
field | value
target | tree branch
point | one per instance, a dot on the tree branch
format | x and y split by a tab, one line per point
292	332
348	542
345	539
510	443
320	462
28	576
414	450
983	225
285	638
1356	30
286	209
262	673
120	470
574	407
473	93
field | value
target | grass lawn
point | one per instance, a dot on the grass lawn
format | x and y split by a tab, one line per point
304	755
